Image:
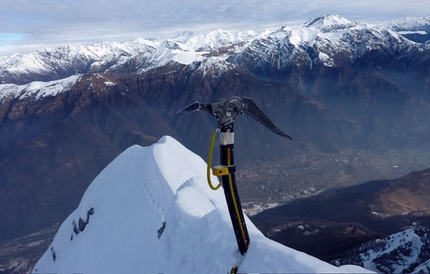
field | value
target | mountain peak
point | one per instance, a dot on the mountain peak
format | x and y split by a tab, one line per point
329	23
151	211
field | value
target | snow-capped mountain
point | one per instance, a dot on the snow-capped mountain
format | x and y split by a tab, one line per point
65	61
330	40
418	23
134	56
151	211
403	252
37	89
337	86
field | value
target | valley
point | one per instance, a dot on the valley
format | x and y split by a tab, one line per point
326	239
308	174
333	222
354	96
21	254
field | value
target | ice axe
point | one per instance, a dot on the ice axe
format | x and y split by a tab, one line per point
226	112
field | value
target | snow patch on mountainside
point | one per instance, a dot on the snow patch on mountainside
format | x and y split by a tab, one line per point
37	89
151	211
301	36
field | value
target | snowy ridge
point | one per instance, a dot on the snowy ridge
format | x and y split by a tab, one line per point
37	89
403	252
109	56
329	35
50	60
418	23
189	48
330	23
395	242
151	211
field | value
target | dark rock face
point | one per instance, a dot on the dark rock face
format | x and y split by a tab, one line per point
53	148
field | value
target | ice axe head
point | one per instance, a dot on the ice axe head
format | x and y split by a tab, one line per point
227	111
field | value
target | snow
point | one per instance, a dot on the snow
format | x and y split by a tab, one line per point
408	23
407	239
213	40
186	58
423	268
37	89
191	48
329	35
412	32
301	36
151	211
329	23
48	60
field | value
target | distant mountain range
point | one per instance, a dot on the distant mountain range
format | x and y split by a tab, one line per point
335	85
331	41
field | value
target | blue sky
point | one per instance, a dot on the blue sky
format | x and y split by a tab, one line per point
28	25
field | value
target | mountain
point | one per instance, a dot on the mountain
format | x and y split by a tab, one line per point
65	61
151	211
414	28
355	97
403	252
350	216
330	41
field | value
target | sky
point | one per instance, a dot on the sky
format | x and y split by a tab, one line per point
29	25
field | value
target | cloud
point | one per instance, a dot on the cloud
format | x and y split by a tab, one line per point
45	22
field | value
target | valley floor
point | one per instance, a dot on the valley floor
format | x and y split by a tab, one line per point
21	254
308	174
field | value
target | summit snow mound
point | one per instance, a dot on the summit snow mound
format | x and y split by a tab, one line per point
151	211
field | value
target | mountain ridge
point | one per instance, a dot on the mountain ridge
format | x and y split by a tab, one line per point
142	54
